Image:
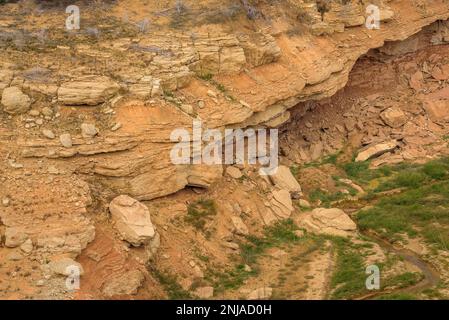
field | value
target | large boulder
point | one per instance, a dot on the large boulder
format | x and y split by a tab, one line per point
284	179
132	220
376	150
91	90
14	101
332	221
394	117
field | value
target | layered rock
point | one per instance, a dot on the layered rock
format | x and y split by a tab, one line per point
333	222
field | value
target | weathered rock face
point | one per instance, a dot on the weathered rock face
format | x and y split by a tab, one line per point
327	221
281	204
394	117
90	90
14	101
132	220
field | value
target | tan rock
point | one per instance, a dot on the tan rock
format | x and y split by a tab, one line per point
261	294
284	179
239	226
234	172
376	150
327	221
437	110
14	101
132	220
91	90
124	284
281	204
65	266
394	117
204	292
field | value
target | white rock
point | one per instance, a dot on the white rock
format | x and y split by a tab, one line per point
88	130
284	179
234	172
48	133
132	220
328	221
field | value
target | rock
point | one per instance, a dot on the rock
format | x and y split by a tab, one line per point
66	140
34	113
27	246
116	126
394	117
48	134
204	292
15	256
299	233
187	108
6	202
327	221
234	172
153	246
46	111
376	150
304	203
65	266
132	220
14	101
261	293
437	110
14	238
124	284
211	93
284	179
88	130
281	204
89	90
239	226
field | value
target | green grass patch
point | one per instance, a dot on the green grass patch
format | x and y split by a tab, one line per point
199	211
171	286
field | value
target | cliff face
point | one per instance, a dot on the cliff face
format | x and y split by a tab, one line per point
88	114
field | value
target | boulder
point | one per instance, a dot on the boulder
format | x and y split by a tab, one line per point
239	226
327	221
88	130
132	220
90	90
66	140
14	237
284	179
127	283
376	150
394	117
14	101
437	110
281	204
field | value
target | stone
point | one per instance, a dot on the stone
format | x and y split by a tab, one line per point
132	220
394	117
437	110
65	266
304	203
239	226
48	134
116	126
6	202
46	111
234	172
89	90
261	293
284	179
127	283
88	130
327	221
376	150
14	237
204	292
66	140
14	101
281	204
27	246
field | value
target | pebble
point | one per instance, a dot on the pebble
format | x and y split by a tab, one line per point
48	134
66	140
